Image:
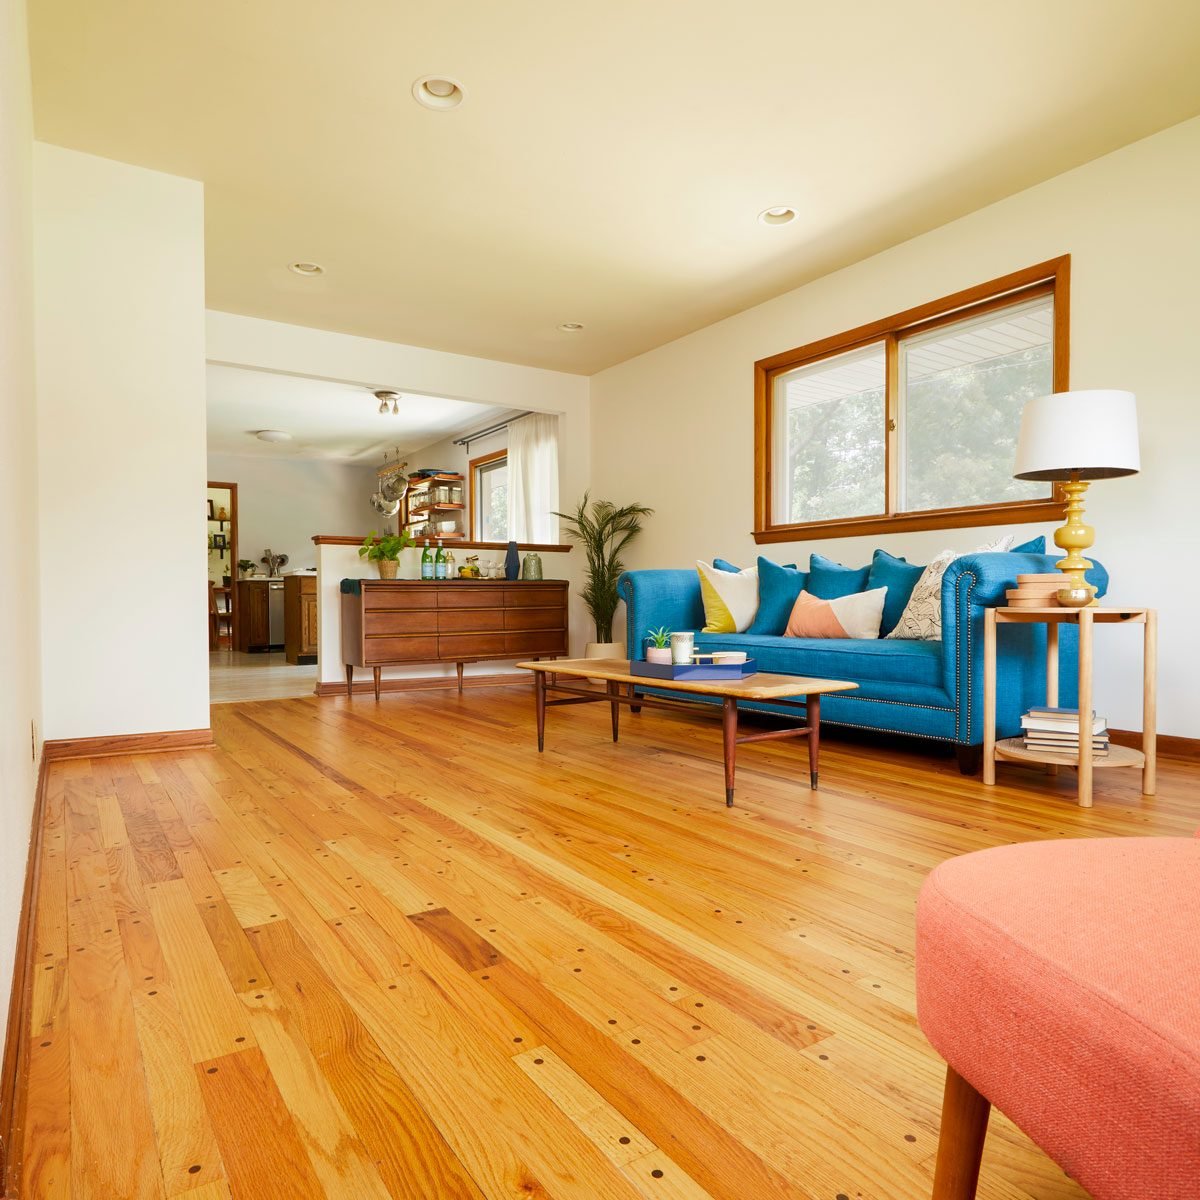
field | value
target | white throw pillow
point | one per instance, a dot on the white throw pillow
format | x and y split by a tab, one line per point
921	620
730	600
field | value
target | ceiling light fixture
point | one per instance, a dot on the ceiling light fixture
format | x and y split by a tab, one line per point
306	268
779	215
570	327
272	435
438	92
386	397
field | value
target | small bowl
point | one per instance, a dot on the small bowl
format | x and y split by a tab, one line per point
729	657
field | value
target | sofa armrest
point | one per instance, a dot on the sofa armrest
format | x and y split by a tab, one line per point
654	598
972	584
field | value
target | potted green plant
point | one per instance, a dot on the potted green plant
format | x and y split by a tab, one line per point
384	551
659	649
603	530
246	567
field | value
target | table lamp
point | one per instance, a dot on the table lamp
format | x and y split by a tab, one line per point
1073	438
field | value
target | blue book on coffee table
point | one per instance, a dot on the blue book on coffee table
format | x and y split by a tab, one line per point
694	671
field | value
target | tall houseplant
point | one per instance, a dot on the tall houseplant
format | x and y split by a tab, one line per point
603	530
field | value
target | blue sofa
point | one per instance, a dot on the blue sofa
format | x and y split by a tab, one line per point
926	689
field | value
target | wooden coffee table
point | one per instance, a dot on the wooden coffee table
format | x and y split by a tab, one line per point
622	687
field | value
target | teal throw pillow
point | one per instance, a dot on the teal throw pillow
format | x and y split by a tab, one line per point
1035	545
778	588
828	580
899	577
723	564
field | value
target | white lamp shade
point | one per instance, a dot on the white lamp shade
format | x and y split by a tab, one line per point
1092	434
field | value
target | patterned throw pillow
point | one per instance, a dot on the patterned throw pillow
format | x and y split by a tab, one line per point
921	620
854	616
730	600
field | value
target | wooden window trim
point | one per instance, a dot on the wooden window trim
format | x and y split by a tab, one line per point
472	468
1047	278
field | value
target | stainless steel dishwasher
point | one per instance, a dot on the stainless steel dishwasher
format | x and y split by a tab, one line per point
275	614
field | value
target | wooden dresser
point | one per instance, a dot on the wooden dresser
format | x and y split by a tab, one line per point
392	622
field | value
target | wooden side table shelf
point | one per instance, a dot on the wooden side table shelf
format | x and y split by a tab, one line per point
1011	749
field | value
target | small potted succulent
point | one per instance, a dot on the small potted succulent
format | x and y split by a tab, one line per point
246	567
384	551
659	649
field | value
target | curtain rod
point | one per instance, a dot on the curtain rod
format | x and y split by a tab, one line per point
474	437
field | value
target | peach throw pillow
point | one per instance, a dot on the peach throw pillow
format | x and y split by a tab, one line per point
856	616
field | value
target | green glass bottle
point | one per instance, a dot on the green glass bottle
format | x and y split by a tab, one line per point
427	562
439	562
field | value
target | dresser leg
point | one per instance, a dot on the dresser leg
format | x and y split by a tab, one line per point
349	680
459	668
378	671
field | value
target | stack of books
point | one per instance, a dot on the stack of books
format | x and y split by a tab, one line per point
1057	730
1036	591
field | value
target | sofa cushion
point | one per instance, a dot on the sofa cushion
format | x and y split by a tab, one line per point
899	577
836	658
778	588
828	580
730	601
854	616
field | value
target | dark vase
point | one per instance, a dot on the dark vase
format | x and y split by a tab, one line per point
512	562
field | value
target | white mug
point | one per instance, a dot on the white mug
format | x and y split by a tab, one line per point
682	645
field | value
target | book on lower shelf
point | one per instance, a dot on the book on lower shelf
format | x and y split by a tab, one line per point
1056	731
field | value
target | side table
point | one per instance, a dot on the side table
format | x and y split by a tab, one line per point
1012	749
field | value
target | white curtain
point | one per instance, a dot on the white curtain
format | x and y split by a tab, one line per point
533	478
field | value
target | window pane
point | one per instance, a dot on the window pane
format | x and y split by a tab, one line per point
491	490
829	439
962	388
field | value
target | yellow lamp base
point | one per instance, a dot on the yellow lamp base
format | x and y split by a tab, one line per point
1075	536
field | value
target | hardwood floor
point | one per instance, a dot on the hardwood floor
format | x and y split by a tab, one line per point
235	676
386	949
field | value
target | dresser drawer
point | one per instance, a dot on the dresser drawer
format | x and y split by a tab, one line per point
534	618
538	596
400	649
470	620
381	621
468	645
399	597
470	596
536	642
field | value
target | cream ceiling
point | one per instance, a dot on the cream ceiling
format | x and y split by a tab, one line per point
609	160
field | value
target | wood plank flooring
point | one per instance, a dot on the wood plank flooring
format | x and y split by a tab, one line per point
386	949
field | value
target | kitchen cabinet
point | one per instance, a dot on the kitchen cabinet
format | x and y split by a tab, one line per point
300	618
260	615
402	621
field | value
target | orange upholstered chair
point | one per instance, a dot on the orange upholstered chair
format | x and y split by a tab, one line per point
1060	981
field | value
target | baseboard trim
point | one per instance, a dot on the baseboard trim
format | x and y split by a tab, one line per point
1167	745
420	683
13	1075
127	743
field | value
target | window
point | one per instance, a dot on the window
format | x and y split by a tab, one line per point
911	422
489	497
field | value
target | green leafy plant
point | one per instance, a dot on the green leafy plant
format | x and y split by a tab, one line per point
387	547
603	530
659	638
245	564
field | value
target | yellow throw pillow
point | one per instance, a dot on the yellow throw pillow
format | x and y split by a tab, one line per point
730	600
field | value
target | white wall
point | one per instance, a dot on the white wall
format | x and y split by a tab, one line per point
20	702
119	288
1129	221
283	502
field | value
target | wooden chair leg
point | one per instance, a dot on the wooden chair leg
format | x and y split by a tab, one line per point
960	1146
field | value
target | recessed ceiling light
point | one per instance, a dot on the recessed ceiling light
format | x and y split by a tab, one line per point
273	435
306	268
436	91
780	215
570	327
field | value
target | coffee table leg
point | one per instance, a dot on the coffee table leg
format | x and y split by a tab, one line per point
614	690
813	720
729	723
539	700
634	708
